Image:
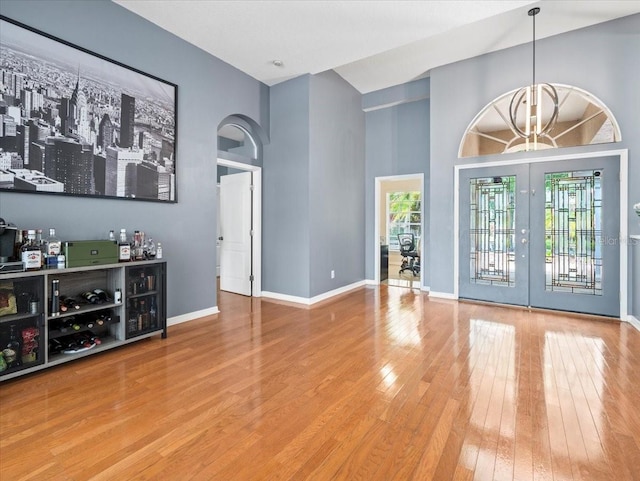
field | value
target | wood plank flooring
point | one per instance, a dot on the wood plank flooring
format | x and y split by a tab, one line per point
379	384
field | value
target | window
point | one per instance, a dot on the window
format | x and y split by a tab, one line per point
404	216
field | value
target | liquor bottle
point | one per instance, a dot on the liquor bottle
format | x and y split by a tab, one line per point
20	239
54	249
30	253
159	251
124	248
134	316
142	283
103	295
43	248
13	351
112	235
55	298
153	312
137	252
90	297
141	316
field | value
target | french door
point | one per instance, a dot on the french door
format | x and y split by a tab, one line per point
542	235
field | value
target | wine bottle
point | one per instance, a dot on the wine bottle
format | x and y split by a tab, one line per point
90	297
55	346
68	303
103	295
71	324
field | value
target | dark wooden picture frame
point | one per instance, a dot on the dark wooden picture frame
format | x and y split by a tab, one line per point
73	122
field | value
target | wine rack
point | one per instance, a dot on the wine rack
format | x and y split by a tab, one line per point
92	319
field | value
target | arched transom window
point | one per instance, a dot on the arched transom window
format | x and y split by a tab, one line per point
582	120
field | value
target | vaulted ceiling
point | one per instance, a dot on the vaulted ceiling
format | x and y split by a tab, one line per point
372	44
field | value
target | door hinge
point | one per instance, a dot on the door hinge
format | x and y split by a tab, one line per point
251	277
251	232
251	187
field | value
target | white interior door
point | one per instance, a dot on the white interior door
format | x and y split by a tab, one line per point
235	233
218	233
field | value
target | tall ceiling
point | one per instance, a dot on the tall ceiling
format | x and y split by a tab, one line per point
372	44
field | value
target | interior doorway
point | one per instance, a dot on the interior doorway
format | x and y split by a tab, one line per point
399	230
239	242
239	188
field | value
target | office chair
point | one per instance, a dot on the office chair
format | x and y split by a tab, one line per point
410	256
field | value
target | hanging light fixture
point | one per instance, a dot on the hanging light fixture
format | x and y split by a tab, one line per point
535	100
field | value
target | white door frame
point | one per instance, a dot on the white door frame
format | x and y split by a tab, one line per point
376	237
256	253
623	156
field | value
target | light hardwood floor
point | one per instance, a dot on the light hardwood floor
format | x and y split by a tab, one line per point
379	384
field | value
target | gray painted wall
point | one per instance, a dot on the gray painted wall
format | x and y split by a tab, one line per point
208	91
285	195
397	143
313	190
602	59
336	186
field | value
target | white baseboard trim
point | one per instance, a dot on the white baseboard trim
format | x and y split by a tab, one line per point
442	295
313	300
634	321
371	282
190	316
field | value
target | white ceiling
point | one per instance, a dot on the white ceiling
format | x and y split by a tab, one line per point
372	44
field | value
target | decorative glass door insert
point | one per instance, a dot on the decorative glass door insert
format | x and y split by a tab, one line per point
573	228
492	230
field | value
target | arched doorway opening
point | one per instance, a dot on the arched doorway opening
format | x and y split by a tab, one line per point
239	195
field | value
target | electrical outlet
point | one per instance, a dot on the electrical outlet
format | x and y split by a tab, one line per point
333	274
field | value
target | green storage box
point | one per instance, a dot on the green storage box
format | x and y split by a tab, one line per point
90	252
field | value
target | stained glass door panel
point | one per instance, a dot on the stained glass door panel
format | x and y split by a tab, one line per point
575	258
494	211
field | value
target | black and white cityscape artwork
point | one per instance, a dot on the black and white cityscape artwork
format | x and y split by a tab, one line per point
73	122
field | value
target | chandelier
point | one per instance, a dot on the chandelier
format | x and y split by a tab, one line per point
537	103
